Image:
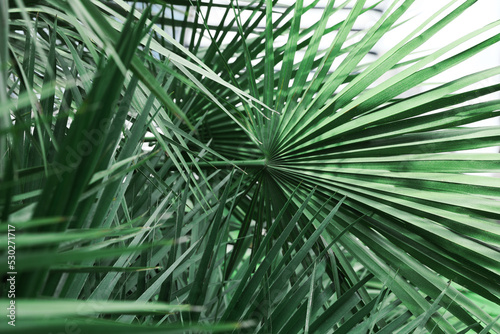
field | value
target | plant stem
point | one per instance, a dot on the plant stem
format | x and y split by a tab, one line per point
239	163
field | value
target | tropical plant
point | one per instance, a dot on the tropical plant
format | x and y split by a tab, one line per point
171	167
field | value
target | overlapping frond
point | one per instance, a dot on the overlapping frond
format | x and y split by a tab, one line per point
220	166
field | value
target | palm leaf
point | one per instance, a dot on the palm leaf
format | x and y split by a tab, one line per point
212	167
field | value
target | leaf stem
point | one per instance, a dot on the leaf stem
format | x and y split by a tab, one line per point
239	163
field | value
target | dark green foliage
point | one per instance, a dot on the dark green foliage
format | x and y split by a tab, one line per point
171	181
